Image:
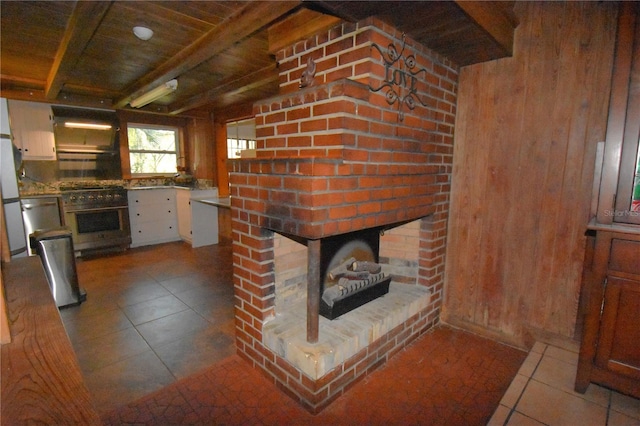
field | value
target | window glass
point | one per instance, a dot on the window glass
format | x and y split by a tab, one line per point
153	150
241	136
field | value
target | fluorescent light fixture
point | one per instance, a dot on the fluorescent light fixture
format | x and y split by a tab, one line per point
157	93
80	125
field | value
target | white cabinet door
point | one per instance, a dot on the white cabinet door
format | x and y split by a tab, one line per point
204	219
32	129
183	204
205	224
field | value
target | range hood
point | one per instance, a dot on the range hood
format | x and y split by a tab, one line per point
85	131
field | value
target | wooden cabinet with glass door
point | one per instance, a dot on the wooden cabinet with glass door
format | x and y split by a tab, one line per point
610	299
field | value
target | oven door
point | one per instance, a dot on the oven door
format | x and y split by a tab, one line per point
99	228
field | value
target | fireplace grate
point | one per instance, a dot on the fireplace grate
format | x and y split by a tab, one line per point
359	282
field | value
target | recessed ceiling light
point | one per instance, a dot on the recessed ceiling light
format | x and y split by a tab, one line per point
143	33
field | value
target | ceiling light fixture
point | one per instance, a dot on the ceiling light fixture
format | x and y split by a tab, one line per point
92	126
143	33
157	93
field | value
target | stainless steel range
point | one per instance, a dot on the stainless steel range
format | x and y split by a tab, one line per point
98	217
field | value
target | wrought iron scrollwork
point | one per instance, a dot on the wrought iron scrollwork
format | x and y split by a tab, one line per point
401	77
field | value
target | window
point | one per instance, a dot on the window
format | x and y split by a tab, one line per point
153	150
241	136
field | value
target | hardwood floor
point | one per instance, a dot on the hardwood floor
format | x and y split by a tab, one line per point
153	315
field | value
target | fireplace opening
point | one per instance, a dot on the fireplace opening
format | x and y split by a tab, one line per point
345	342
350	272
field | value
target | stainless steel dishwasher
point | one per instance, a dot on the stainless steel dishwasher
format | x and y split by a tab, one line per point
40	213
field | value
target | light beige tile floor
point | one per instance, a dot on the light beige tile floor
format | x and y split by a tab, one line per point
542	394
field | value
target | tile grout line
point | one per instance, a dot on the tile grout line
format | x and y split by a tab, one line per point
606	420
513	409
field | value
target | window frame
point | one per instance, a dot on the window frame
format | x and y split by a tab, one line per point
178	147
250	142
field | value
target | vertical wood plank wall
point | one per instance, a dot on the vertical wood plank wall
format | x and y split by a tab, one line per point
202	152
525	142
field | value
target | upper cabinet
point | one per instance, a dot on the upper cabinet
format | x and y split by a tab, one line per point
619	197
32	130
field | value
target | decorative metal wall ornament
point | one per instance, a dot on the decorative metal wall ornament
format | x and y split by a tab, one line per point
307	79
401	77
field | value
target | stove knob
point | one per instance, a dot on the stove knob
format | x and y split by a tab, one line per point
100	197
72	198
81	198
91	197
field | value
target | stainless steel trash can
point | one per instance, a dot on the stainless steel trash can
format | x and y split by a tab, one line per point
55	248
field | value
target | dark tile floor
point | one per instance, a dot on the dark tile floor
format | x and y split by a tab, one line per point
153	315
155	342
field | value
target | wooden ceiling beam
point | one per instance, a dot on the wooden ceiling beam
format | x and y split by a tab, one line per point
38	95
83	23
256	79
496	20
300	25
253	17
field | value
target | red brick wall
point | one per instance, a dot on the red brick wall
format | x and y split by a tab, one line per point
335	158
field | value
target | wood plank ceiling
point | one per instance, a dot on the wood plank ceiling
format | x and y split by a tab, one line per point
85	53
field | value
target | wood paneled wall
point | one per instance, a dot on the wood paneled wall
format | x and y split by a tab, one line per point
201	155
525	141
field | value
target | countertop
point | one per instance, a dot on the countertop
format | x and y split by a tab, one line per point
51	191
142	188
41	380
224	202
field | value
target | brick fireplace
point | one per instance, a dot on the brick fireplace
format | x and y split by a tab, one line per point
367	144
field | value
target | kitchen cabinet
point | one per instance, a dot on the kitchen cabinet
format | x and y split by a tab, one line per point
192	215
183	201
609	353
153	216
32	130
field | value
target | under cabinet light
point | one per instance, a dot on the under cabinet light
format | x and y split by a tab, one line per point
157	93
80	125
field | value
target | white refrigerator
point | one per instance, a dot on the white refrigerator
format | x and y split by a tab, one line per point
9	160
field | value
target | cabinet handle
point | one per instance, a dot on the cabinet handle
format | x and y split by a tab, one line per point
137	214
